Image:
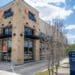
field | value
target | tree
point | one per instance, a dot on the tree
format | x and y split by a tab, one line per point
71	47
59	28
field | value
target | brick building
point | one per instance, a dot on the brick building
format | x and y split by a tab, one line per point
20	29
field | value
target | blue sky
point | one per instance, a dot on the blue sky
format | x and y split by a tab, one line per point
50	9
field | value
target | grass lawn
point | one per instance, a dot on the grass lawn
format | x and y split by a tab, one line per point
43	73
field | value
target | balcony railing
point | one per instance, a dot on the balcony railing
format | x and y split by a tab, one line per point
5	35
32	36
30	33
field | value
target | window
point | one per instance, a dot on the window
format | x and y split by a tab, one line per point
8	31
31	16
42	36
1	31
28	31
9	43
28	49
28	43
8	13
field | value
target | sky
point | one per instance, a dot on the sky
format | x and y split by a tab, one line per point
51	9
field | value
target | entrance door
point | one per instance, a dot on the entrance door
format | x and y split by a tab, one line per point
28	50
6	49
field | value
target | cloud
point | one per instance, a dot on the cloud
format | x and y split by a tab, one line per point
56	1
74	7
49	1
51	12
70	27
48	11
70	36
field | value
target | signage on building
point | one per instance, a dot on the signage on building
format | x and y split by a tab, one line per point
4	46
72	62
1	13
26	11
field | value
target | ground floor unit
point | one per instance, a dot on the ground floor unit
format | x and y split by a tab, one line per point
25	48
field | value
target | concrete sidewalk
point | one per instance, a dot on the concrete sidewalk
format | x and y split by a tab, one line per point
7	66
7	73
64	68
24	69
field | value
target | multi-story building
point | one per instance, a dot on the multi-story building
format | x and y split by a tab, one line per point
54	41
20	33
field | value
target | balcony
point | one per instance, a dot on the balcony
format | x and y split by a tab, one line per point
33	36
5	36
30	33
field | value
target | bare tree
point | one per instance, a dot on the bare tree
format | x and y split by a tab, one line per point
49	41
54	45
58	24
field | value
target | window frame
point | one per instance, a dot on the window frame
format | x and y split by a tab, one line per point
31	16
8	13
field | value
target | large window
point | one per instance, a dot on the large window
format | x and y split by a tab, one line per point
6	49
28	31
31	16
28	49
9	43
28	43
8	13
8	31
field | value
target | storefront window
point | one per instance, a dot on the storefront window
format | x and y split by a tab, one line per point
30	44
6	49
28	49
9	43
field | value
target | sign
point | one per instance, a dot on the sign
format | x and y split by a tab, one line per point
72	62
26	11
4	46
1	13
